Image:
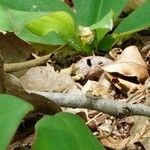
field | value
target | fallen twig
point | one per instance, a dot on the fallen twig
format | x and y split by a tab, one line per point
111	107
47	102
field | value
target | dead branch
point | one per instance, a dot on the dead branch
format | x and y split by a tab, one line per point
108	106
47	102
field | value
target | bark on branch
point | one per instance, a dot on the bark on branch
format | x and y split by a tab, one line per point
111	107
47	102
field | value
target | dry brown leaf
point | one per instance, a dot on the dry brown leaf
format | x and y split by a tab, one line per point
145	142
114	144
13	49
123	85
140	129
130	64
96	89
131	54
115	53
46	79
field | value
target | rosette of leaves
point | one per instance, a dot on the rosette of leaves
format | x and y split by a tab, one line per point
89	25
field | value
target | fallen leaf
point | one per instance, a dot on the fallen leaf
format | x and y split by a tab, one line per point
123	85
139	130
129	64
42	79
96	89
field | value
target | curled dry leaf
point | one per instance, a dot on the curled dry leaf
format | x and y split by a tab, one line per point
115	53
46	79
129	64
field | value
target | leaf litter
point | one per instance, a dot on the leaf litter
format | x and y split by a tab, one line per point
119	77
123	75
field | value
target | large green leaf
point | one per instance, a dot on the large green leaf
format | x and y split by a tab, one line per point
137	20
64	131
14	21
12	18
12	110
60	22
91	11
36	5
5	24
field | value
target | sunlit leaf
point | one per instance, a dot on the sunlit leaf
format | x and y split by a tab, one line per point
59	22
14	21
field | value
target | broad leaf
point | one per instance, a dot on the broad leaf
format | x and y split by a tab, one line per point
36	5
103	26
10	18
12	110
5	24
106	22
59	22
64	131
136	21
14	21
91	11
106	43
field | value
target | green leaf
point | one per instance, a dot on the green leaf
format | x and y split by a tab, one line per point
64	131
36	5
106	22
91	11
5	24
12	110
103	26
14	21
106	43
59	22
136	21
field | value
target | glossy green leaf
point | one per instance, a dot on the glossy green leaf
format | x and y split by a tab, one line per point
59	22
91	11
12	111
64	131
136	21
